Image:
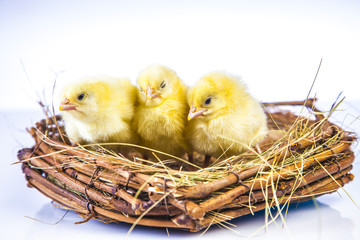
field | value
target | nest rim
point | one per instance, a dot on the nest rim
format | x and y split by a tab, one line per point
186	206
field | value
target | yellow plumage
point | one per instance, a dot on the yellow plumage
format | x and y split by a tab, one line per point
161	114
223	116
99	110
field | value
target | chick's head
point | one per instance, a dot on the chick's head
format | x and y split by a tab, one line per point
216	94
158	83
85	98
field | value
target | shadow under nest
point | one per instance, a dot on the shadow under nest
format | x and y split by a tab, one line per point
313	157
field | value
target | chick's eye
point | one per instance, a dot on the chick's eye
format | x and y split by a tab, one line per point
163	84
81	97
208	101
141	90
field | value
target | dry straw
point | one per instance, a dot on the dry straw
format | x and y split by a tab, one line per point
303	157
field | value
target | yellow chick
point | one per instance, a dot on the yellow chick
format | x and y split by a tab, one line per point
223	116
161	114
99	110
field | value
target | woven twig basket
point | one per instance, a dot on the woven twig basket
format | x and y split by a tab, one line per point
314	157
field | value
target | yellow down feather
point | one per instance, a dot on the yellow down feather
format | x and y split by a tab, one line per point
223	116
161	114
99	110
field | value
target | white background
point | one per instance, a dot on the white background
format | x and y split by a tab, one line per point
275	46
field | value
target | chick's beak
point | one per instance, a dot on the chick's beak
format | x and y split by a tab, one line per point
152	93
193	113
66	105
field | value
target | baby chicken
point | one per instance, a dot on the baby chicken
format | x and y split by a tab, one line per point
99	110
161	115
223	116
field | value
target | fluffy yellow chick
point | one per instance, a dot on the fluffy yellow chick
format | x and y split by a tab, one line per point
223	116
161	114
99	110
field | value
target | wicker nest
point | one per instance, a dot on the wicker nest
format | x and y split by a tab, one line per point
312	157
